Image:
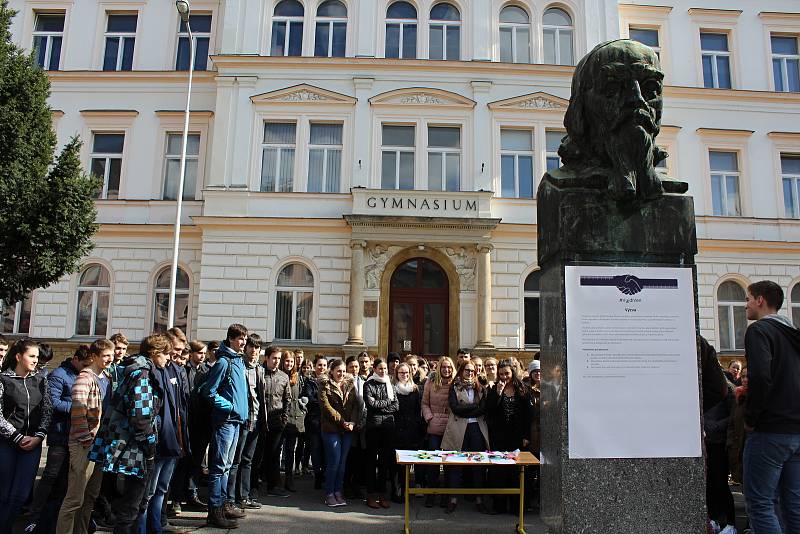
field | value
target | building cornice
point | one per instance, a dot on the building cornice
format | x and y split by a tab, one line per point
109	112
731	95
110	231
439	223
775	16
200	113
724	132
130	76
738	246
702	12
661	11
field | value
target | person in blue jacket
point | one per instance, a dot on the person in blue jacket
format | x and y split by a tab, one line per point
225	389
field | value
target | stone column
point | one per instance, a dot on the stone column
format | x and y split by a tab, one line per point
356	323
484	330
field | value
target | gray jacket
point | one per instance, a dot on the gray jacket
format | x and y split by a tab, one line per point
276	398
297	406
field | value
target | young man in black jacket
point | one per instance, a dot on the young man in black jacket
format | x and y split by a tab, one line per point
772	414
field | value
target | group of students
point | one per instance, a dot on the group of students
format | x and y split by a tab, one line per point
132	438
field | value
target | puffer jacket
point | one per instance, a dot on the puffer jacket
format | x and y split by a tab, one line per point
436	407
338	406
60	383
126	441
409	427
25	405
380	408
296	413
276	398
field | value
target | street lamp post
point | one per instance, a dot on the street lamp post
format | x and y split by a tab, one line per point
183	10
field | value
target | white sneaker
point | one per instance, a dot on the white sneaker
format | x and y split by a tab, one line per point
730	529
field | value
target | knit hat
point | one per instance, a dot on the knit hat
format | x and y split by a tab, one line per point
535	365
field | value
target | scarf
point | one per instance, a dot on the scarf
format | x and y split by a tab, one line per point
383	380
405	389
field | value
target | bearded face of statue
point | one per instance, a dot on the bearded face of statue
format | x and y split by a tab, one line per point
623	105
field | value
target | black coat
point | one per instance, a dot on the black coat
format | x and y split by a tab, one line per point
409	426
380	409
507	430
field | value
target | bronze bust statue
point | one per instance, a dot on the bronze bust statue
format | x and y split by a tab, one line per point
612	121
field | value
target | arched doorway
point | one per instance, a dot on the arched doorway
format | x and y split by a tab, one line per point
419	308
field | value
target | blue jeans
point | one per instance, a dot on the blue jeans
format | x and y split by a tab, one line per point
17	473
336	448
149	521
220	458
772	471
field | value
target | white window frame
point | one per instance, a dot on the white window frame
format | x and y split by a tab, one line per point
714	54
444	151
196	35
656	29
528	294
729	306
94	290
288	21
514	26
447	26
716	140
189	157
794	305
281	147
516	154
783	58
397	150
330	21
558	30
549	154
724	175
187	292
402	23
17	316
651	18
325	149
123	36
795	180
108	156
49	36
295	290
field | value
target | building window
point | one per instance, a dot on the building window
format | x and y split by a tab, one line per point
106	162
16	318
785	63
120	41
397	157
201	31
531	296
172	166
790	176
48	34
732	316
94	292
444	158
794	298
287	29
725	183
161	300
325	158
662	165
716	60
515	35
516	163
557	34
401	31
552	143
445	33
646	36
277	163
330	36
294	303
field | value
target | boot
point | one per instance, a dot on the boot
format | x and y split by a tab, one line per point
194	503
372	501
288	481
216	518
232	512
384	502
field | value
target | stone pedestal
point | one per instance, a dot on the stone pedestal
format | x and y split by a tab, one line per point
620	496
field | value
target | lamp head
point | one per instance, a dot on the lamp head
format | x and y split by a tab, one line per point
183	9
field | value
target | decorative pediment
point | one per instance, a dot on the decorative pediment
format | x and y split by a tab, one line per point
419	96
539	101
302	94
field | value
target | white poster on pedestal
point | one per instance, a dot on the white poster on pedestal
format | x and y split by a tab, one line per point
632	363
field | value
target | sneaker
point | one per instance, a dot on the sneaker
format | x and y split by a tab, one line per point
173	510
330	500
174	529
29	528
232	512
340	499
249	504
278	492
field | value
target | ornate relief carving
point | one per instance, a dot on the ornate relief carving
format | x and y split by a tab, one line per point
466	265
421	98
303	95
539	102
374	263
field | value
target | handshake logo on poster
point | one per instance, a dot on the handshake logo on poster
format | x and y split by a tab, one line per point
628	284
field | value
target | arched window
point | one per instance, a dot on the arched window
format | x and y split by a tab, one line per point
94	294
287	29
794	304
294	300
557	29
445	33
531	296
161	300
330	36
401	31
515	35
732	316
